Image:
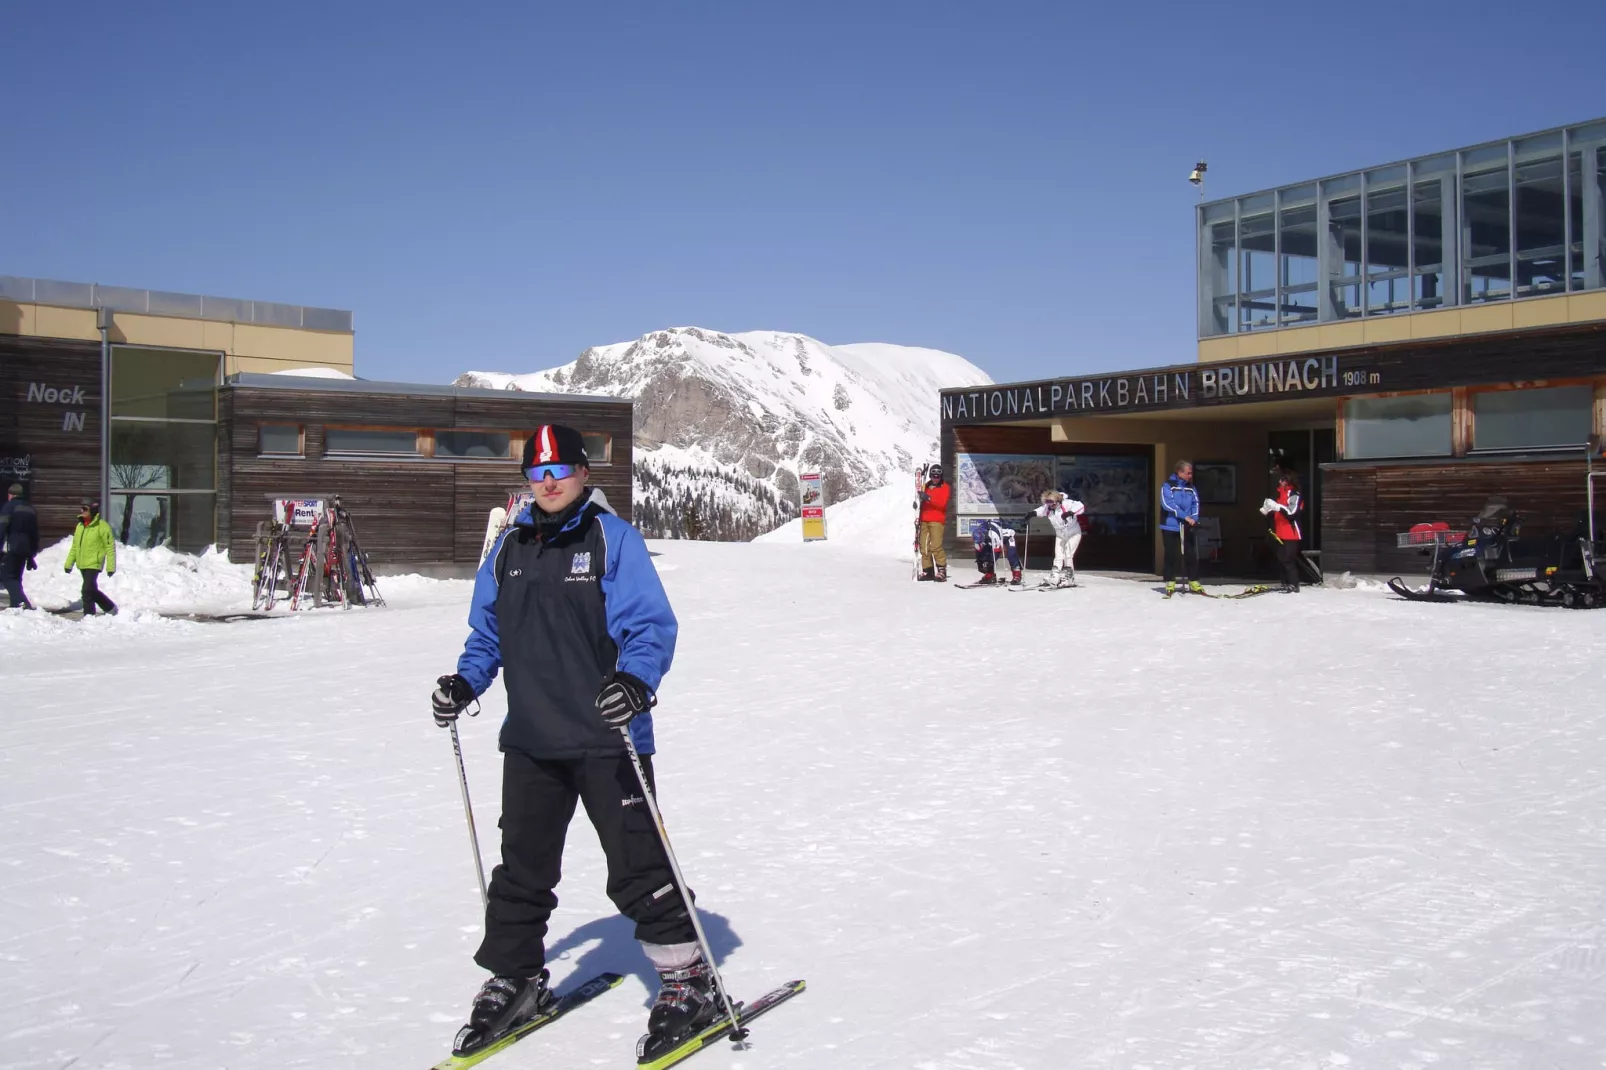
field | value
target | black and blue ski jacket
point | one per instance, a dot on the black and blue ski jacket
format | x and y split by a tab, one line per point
1179	501
558	615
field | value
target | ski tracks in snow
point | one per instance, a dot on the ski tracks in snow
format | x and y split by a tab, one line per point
1100	830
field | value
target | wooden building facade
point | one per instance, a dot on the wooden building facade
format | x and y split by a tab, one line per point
50	425
419	467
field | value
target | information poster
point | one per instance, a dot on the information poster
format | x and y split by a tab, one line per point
1003	485
813	494
1114	487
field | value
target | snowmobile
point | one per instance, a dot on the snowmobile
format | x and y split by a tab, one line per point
1491	562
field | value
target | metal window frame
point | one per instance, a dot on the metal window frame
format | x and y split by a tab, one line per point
1410	234
1277	257
1366	238
1511	217
1238	272
1567	207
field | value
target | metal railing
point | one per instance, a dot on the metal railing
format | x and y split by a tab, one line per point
163	303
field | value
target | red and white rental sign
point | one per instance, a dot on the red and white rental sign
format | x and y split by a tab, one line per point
297	512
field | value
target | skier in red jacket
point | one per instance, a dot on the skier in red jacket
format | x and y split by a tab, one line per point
933	515
1284	511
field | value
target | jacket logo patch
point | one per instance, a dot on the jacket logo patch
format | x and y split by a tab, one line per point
516	572
581	563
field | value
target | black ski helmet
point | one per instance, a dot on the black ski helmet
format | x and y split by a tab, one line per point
934	472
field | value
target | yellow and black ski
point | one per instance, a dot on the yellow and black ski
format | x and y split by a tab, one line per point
559	1007
745	1012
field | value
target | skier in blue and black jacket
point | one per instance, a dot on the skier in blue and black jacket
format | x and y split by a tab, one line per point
569	607
1179	519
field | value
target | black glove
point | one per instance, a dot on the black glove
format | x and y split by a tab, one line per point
451	697
622	697
32	564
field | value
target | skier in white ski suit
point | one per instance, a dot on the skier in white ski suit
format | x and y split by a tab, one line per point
1063	515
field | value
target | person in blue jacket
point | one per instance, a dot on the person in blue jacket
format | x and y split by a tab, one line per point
1179	519
569	607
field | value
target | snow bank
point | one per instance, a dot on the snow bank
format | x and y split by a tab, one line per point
156	579
879	522
149	583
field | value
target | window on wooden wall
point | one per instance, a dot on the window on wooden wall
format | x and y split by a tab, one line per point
1412	425
371	440
458	445
1545	418
279	439
599	446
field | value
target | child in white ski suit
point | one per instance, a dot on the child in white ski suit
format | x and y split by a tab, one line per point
1063	515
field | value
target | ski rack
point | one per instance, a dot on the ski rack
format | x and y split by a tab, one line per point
329	566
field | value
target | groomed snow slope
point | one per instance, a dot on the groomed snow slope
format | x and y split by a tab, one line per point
1090	828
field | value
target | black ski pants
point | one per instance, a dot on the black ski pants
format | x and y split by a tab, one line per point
92	594
1181	553
538	799
11	566
1288	558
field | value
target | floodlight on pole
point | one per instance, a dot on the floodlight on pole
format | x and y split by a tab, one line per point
1197	176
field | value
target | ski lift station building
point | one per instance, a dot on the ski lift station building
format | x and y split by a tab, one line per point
220	406
1411	338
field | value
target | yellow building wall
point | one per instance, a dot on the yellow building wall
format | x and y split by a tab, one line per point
1497	316
249	347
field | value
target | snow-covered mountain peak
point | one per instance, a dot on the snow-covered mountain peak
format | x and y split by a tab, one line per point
759	407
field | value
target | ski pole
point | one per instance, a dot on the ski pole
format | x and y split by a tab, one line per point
468	811
738	1034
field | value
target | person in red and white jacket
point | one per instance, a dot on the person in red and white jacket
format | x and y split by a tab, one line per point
1064	515
1284	512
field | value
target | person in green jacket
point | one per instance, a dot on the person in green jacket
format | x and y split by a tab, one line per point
93	548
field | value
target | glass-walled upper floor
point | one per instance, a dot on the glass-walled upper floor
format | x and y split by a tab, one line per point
1524	217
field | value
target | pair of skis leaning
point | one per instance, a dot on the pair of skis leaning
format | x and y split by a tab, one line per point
684	1049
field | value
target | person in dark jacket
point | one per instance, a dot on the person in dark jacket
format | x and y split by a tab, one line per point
569	607
1284	512
1179	506
19	542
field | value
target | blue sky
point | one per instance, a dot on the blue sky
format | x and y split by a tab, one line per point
497	187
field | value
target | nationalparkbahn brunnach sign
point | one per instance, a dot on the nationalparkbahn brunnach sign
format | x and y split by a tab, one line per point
1422	366
1166	388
